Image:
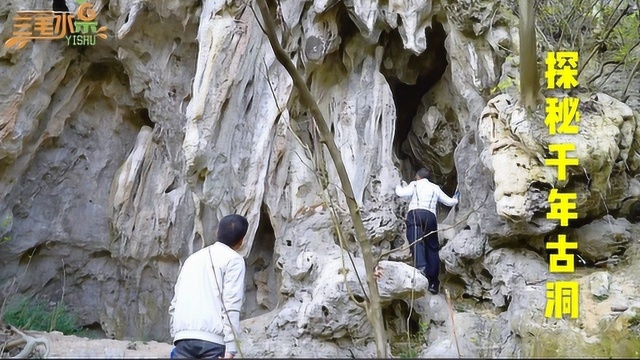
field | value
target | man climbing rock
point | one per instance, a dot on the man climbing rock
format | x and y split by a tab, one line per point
421	220
205	310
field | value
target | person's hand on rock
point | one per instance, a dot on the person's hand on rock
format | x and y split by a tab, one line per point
377	272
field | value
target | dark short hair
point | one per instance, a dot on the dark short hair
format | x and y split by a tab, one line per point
634	212
232	229
424	173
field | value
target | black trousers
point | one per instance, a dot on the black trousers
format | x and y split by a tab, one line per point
197	349
425	252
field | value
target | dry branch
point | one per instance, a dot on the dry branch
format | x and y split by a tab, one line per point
453	323
28	344
372	304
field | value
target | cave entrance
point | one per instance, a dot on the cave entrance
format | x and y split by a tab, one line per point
410	78
261	282
405	329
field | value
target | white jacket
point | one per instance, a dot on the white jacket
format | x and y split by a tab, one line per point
424	195
197	310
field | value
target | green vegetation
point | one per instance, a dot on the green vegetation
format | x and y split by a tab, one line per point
625	36
410	349
614	341
603	33
408	352
601	298
504	84
36	314
5	226
6	221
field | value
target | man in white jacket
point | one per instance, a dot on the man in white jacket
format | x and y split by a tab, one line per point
205	310
421	220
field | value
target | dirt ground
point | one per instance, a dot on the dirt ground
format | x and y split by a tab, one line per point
69	346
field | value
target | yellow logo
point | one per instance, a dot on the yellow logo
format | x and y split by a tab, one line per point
79	29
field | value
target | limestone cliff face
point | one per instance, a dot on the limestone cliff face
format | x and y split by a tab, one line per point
118	160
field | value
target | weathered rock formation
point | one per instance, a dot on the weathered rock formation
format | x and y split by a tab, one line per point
118	160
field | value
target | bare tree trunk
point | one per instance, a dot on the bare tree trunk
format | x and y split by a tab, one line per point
372	300
529	81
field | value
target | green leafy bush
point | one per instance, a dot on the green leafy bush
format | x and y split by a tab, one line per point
605	33
410	349
37	314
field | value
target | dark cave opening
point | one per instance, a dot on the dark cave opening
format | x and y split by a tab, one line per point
346	27
409	83
410	78
103	69
261	282
93	330
403	324
141	118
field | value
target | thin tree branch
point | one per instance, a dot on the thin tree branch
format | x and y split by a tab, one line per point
601	70
453	323
606	35
373	306
529	81
633	72
326	197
